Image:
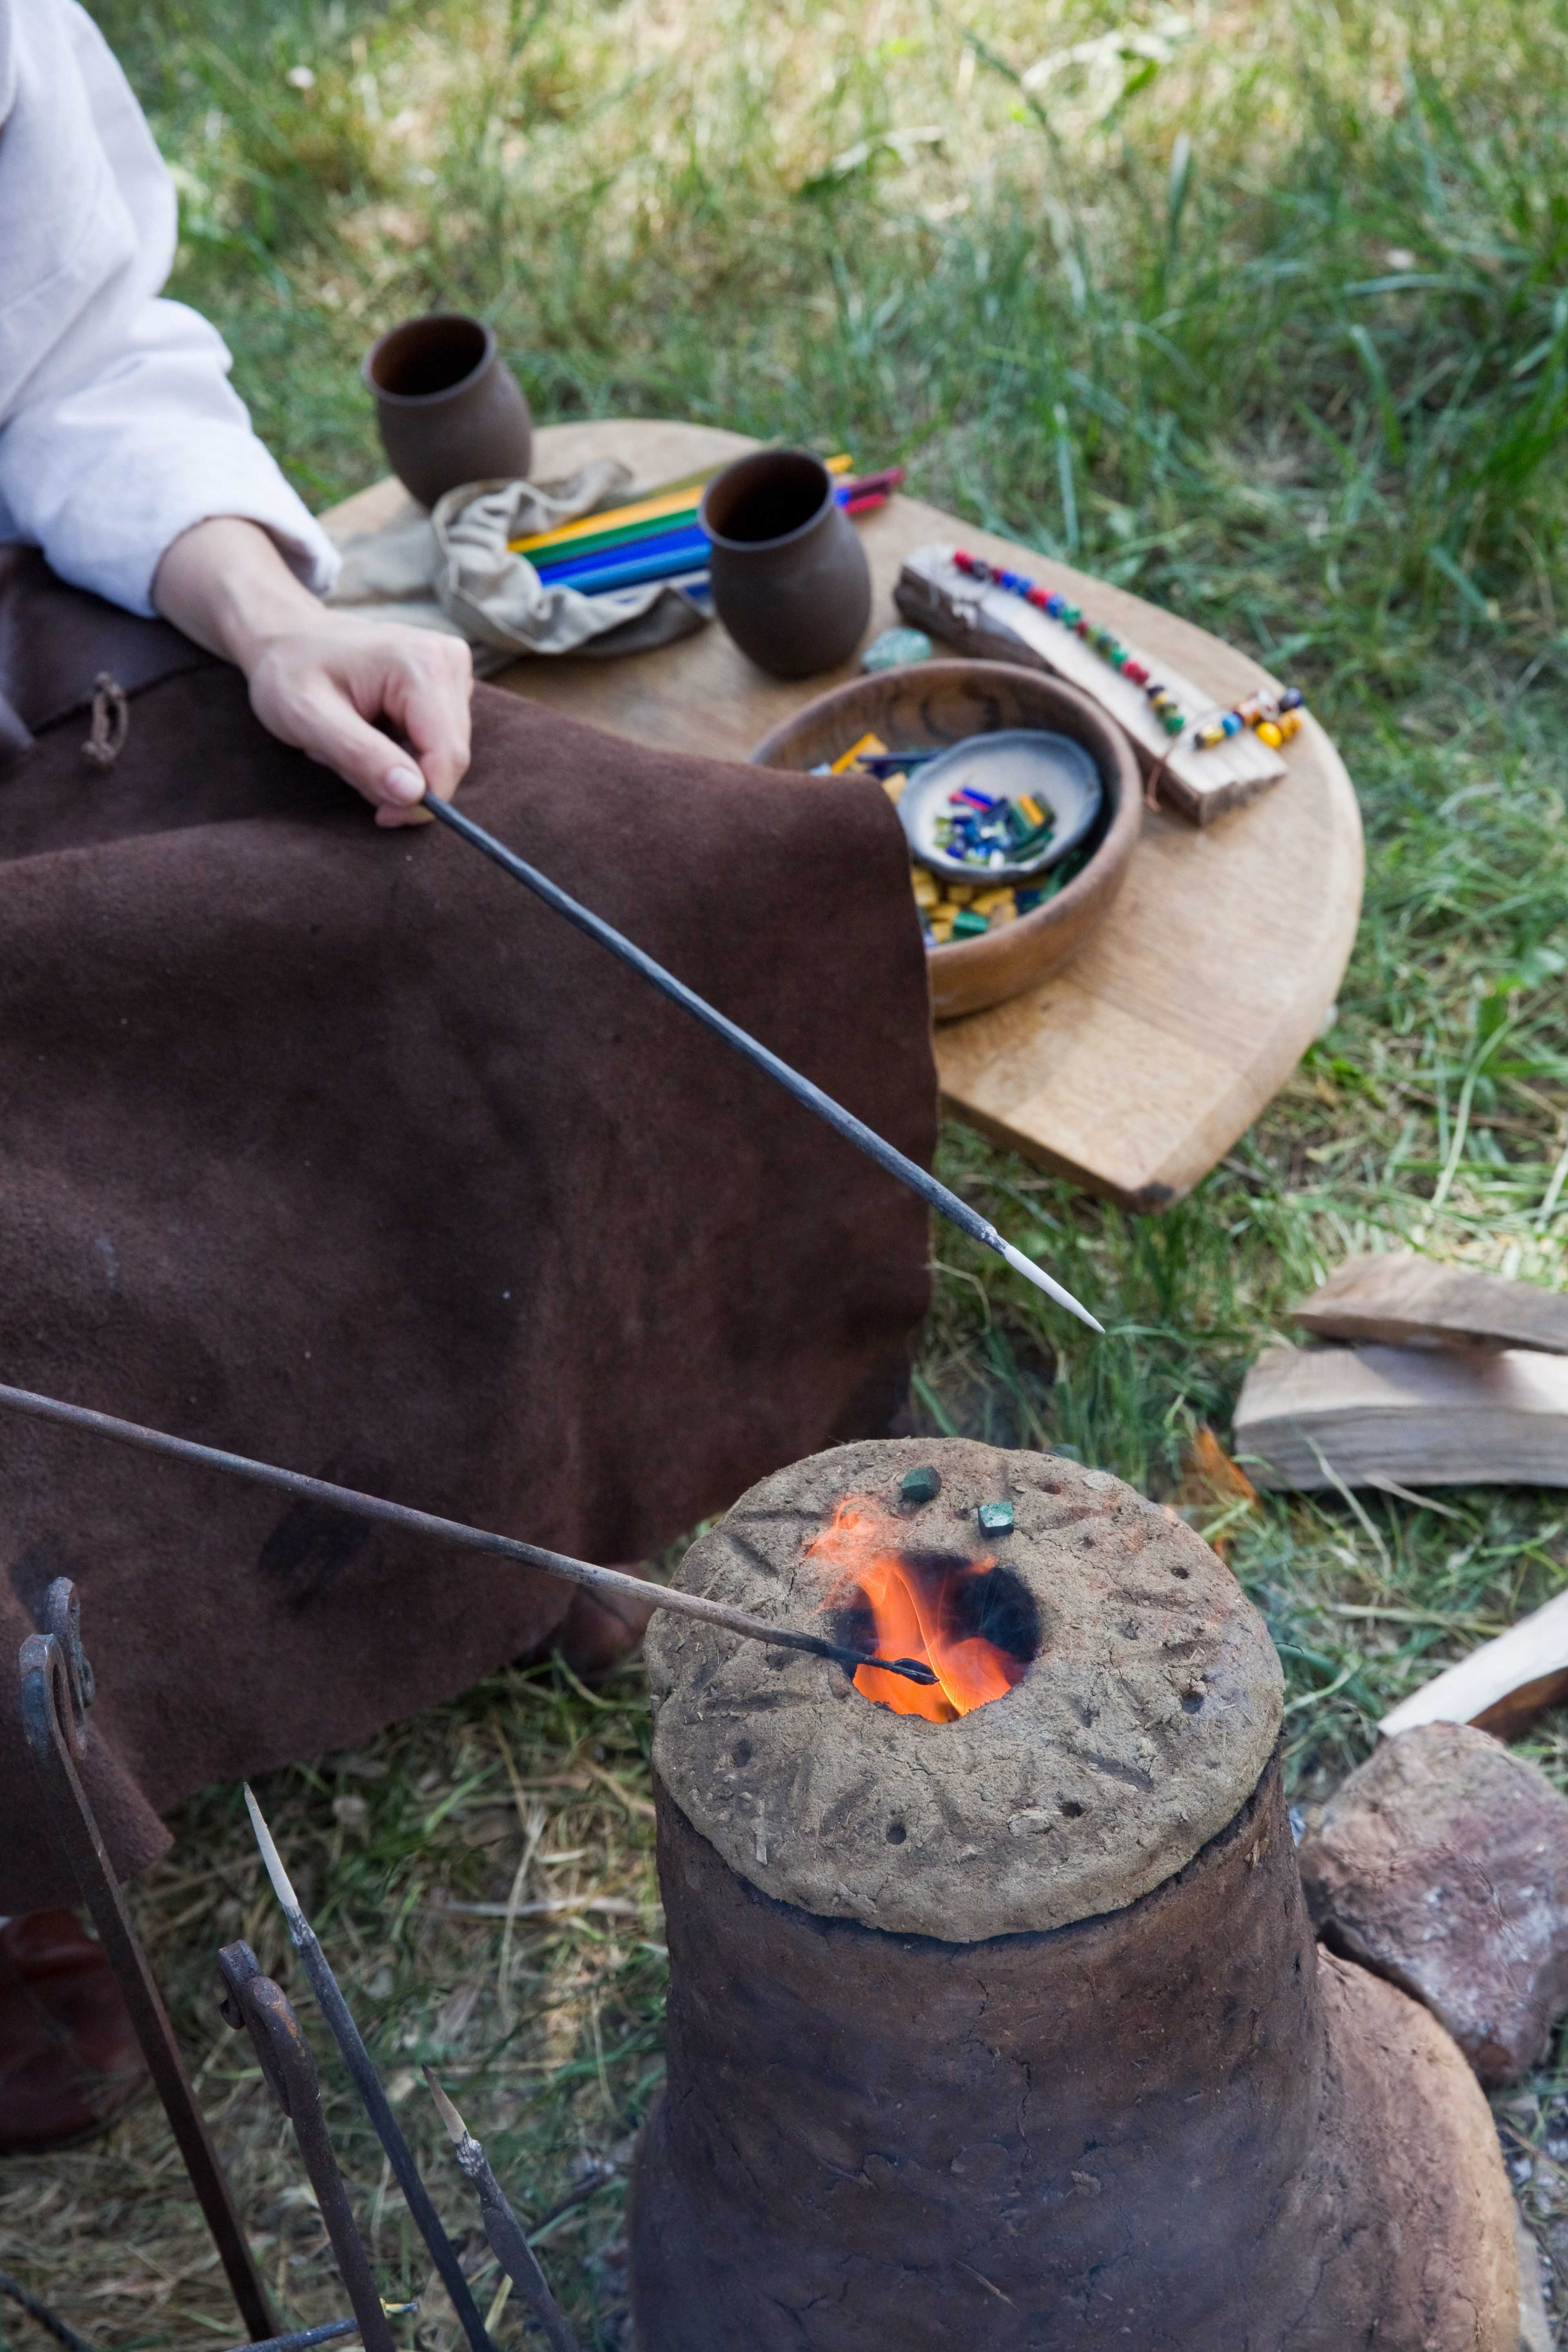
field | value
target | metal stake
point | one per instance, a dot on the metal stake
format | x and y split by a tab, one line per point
508	2239
56	1690
255	2003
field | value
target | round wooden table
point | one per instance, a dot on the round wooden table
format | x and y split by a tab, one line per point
1136	1068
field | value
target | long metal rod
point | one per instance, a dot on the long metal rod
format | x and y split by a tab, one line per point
367	2082
426	1523
46	1685
843	1122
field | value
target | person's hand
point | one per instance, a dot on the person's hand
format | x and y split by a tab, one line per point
321	680
322	687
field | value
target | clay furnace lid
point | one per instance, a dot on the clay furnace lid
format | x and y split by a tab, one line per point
1138	1732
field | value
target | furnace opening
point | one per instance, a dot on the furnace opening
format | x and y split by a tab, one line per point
973	1621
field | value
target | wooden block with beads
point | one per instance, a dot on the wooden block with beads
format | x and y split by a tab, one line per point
994	625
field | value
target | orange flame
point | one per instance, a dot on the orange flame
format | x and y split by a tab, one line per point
914	1616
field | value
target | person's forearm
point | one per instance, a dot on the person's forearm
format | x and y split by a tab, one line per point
223	584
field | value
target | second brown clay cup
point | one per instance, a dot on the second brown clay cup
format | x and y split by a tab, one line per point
791	583
449	409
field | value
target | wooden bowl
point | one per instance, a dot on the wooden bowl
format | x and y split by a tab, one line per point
941	702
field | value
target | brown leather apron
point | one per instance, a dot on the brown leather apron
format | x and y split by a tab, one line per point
56	641
332	1146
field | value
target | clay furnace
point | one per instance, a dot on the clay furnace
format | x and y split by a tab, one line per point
1003	2023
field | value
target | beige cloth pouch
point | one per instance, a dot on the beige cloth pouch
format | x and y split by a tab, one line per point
454	570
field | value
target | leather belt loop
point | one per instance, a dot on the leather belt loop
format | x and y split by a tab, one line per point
55	640
110	722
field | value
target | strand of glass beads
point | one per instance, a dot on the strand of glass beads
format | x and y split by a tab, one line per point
1274	717
1105	642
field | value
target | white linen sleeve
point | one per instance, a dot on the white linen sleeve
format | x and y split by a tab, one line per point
119	428
105	473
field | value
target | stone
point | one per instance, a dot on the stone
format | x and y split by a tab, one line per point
1443	1865
895	647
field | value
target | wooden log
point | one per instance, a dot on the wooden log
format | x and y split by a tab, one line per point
1311	1418
1402	1418
1405	1301
1502	1687
935	595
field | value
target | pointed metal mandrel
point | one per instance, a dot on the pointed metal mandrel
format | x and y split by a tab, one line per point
1041	1279
368	2084
508	2238
582	1572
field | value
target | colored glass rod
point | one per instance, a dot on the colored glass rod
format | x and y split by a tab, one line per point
685	550
674	498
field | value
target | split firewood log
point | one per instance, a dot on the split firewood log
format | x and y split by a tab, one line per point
1502	1687
1311	1418
1410	1301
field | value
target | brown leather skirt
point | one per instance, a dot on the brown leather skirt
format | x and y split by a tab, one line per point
332	1146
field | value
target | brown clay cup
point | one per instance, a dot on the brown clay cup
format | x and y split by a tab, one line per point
450	410
791	583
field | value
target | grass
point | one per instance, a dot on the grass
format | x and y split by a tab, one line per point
1261	312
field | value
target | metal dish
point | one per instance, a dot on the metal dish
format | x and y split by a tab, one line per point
1058	772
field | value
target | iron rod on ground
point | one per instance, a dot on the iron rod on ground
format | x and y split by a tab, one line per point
843	1122
46	2318
367	2082
305	2339
508	2238
426	1523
